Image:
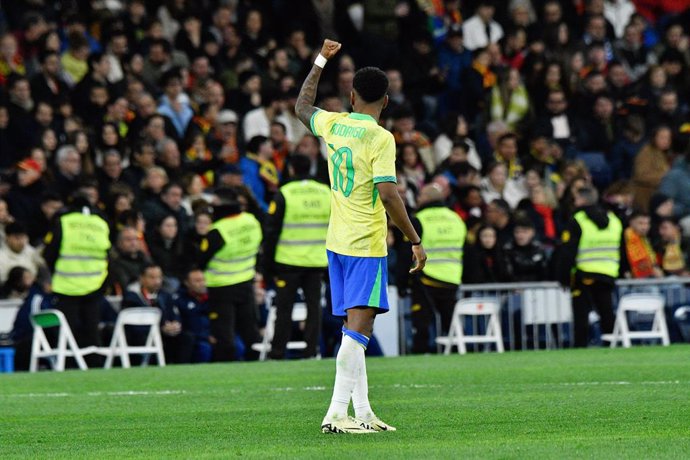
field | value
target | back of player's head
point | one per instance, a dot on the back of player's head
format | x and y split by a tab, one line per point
370	83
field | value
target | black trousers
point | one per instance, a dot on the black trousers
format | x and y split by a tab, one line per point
286	289
233	309
83	313
426	300
591	293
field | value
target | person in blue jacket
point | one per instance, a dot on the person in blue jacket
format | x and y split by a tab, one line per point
177	342
191	300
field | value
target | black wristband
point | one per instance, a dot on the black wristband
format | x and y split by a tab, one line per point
417	244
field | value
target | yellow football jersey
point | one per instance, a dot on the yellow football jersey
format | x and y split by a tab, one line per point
361	154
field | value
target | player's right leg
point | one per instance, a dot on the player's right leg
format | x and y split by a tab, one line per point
347	364
362	319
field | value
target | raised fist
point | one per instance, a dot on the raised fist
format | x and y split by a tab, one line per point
330	48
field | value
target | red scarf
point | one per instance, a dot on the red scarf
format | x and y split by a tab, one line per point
546	214
640	254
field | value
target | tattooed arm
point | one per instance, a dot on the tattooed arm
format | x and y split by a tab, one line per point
304	108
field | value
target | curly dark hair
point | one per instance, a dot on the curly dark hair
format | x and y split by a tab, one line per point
371	83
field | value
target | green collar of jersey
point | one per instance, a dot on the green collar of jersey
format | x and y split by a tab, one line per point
362	116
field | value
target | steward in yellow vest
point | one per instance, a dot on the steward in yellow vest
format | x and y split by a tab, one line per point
589	260
228	256
443	235
77	254
295	252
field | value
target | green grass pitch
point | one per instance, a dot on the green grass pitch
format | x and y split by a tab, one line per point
596	403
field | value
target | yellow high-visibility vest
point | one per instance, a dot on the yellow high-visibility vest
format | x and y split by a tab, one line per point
235	261
599	248
302	241
82	263
443	237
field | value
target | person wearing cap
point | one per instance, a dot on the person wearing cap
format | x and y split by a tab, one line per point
294	250
23	199
228	254
589	261
17	252
524	258
222	139
435	289
76	252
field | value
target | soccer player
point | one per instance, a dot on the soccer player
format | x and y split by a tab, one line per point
362	176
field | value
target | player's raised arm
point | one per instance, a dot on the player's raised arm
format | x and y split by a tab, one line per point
304	107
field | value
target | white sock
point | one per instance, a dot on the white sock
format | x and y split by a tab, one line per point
360	395
346	370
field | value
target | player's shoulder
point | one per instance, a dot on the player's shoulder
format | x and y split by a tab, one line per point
325	114
381	135
322	119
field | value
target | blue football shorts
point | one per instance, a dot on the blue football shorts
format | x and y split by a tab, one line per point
358	282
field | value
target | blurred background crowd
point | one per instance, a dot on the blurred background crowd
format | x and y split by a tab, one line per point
508	107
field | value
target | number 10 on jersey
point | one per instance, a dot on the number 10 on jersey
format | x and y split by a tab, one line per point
343	182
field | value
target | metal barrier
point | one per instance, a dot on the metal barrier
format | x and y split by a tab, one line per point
675	289
676	293
532	314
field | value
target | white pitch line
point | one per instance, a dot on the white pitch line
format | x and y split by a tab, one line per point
96	393
37	395
660	382
322	388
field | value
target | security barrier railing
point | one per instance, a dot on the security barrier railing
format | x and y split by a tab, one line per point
533	315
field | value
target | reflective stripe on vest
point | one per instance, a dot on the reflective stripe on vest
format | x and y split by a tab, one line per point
599	248
443	237
82	263
235	261
302	240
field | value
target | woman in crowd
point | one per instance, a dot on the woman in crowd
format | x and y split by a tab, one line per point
482	258
651	165
167	251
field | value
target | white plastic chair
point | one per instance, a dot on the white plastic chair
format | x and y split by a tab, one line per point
66	344
299	313
140	316
546	307
651	304
477	306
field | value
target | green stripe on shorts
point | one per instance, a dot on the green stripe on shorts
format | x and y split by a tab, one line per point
375	296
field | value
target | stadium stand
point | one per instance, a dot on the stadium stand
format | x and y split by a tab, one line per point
509	108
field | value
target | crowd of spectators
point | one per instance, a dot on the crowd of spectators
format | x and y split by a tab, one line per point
148	107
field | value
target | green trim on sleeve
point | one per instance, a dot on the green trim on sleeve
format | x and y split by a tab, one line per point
379	179
311	122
